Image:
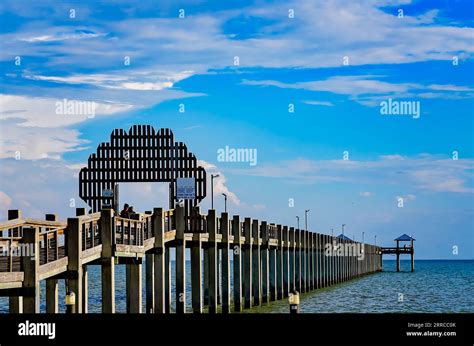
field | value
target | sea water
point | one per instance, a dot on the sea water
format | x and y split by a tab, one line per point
435	286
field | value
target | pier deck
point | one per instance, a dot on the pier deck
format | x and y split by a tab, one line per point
269	261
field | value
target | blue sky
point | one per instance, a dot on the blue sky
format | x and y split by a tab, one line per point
334	61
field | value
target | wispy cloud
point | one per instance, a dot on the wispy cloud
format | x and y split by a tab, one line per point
319	103
219	182
422	172
369	89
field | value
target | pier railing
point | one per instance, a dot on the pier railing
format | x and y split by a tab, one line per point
269	260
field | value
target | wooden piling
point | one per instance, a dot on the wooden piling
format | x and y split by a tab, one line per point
15	302
74	266
265	262
225	262
134	279
107	232
180	261
247	264
292	259
167	279
149	281
279	262
212	252
85	290
303	260
298	259
196	273
31	300
237	263
286	262
157	222
52	297
272	276
256	264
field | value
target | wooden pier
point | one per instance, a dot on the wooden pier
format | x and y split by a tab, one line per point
405	250
236	263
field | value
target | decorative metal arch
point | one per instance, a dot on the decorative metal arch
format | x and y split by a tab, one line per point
141	155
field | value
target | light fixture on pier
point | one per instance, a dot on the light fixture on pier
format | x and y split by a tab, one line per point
212	189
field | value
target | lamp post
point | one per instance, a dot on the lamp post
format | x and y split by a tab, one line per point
332	232
212	189
375	240
343	225
363	237
306	219
298	221
225	202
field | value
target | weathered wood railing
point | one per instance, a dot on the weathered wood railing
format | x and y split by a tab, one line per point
268	261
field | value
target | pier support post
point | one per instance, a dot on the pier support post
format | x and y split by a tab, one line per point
107	231
196	273
52	306
237	263
16	302
149	281
225	263
273	274
256	264
85	290
74	266
167	280
52	303
316	261
247	264
279	262
180	261
213	252
206	274
313	260
292	259
286	262
309	256
398	256
159	270
134	283
307	262
303	259
327	260
31	301
297	261
265	263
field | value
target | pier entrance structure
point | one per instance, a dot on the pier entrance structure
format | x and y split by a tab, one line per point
141	155
409	250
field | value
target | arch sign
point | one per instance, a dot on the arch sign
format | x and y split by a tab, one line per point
142	155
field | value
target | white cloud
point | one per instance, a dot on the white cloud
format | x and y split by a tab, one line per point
131	80
32	143
41	111
366	194
319	103
62	36
368	90
220	186
422	172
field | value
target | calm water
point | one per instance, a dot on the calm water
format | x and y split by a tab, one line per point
435	286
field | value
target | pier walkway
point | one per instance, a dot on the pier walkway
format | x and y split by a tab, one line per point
269	261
